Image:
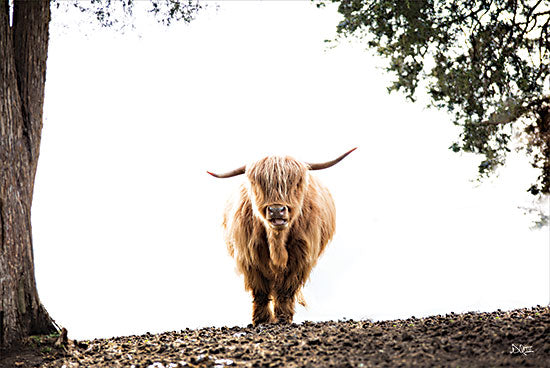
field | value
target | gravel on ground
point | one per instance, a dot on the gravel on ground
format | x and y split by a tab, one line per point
517	338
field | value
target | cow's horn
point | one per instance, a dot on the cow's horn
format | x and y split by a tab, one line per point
325	165
229	174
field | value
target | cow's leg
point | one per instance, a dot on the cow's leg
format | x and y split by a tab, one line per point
261	290
288	284
284	307
260	308
285	291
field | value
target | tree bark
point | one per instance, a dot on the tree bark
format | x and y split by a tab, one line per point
23	54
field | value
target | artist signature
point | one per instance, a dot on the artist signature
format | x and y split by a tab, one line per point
521	349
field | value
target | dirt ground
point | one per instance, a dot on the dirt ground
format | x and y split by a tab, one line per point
518	338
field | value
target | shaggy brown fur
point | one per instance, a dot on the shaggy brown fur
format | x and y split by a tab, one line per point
276	260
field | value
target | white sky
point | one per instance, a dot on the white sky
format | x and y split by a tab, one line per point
126	221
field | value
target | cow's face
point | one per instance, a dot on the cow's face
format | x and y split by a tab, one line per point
277	188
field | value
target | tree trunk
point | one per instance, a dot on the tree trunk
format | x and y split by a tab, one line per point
23	54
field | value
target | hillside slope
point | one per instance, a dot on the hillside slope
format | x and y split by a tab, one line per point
503	338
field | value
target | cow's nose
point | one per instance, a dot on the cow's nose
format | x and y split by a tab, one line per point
277	210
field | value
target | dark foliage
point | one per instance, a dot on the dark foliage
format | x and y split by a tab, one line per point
486	62
119	12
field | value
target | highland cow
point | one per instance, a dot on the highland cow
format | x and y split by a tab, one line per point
276	229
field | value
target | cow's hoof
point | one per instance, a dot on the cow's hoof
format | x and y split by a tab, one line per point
284	320
262	321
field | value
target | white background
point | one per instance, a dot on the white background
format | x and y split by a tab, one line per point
126	222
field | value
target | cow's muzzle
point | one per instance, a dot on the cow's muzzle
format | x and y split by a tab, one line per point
277	215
